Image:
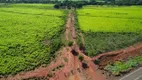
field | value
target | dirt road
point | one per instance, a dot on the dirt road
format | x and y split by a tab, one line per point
79	72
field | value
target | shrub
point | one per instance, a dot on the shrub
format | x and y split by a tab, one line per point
56	6
80	57
70	43
65	59
97	61
50	74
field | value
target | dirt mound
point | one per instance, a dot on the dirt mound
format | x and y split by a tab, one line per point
110	57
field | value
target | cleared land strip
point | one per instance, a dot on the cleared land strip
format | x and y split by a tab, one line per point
136	75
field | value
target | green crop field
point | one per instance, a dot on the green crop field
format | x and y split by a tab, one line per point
110	19
107	28
29	35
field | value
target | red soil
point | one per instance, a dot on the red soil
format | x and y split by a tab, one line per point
110	57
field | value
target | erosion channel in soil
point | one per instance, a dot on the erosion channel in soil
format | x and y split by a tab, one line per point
67	66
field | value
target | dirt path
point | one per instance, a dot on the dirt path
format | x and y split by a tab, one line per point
90	72
71	35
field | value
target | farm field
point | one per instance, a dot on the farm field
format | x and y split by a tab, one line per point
64	41
107	28
110	19
29	35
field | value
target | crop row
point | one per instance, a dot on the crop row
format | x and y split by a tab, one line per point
29	37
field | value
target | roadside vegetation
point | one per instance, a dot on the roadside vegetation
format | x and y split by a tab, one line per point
107	28
30	34
124	66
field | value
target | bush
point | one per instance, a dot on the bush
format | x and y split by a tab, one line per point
70	43
57	6
50	74
97	61
80	57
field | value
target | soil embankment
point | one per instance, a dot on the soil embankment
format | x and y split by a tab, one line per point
110	57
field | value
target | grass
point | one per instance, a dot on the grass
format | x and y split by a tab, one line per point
121	67
29	36
107	28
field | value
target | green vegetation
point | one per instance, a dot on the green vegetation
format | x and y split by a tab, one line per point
80	57
34	6
110	19
65	59
94	2
42	78
70	43
100	42
120	67
58	67
107	28
97	61
29	36
50	75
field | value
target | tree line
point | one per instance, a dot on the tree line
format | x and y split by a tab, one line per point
78	3
99	2
73	4
121	2
28	1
